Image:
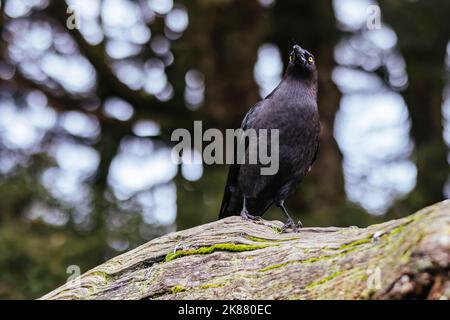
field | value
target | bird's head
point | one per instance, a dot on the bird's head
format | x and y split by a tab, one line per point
301	60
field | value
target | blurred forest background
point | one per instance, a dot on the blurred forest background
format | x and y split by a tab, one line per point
86	116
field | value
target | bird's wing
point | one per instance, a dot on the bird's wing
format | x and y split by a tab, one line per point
250	116
232	201
315	153
317	149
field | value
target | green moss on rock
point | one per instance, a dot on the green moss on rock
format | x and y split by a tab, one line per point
212	285
177	289
231	247
275	266
354	243
324	280
257	239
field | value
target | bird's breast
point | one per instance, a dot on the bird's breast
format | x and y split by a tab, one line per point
291	120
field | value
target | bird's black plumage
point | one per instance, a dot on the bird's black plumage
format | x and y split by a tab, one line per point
292	108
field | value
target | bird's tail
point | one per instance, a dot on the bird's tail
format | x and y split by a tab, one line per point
231	201
231	205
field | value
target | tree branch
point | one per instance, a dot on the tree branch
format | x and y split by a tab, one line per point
236	259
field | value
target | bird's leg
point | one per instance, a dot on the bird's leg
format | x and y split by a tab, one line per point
290	222
244	213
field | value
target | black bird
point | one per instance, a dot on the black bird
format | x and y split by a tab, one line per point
292	108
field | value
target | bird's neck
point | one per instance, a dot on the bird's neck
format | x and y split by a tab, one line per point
296	72
302	87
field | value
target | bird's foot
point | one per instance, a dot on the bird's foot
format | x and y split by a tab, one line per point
247	216
290	224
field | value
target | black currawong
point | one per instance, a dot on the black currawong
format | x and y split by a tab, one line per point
292	109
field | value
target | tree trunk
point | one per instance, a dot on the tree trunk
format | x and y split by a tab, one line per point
236	259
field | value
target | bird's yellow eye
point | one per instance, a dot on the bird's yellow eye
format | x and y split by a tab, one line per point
310	59
291	58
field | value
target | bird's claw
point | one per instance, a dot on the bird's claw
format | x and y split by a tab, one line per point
246	216
291	224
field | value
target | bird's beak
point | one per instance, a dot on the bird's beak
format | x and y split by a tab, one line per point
300	54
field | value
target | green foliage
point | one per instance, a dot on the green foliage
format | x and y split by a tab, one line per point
34	258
